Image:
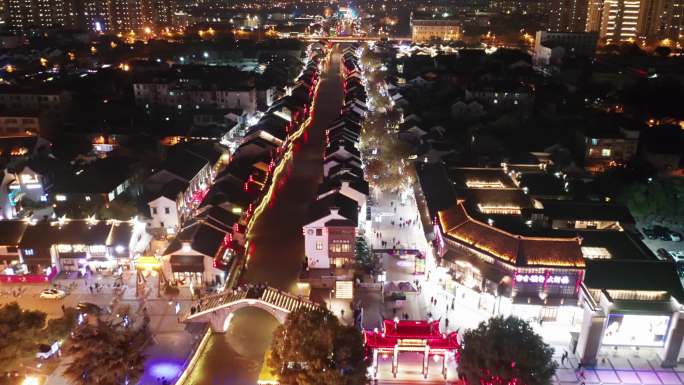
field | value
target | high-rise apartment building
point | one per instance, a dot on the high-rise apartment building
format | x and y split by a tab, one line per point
594	12
26	14
629	20
620	20
91	15
567	15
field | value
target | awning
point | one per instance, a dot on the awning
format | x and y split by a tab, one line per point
187	263
8	258
72	255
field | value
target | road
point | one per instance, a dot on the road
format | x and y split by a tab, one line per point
278	246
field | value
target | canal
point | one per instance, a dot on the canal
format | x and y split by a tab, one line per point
277	246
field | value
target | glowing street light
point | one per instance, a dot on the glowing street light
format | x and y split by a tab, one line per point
30	380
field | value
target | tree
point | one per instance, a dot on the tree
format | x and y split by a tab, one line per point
506	351
20	333
366	259
662	198
59	328
107	352
313	348
663	51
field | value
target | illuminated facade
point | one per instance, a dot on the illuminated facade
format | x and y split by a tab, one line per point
629	20
28	14
93	15
425	30
567	15
620	20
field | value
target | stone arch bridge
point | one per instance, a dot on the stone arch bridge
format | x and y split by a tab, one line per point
215	309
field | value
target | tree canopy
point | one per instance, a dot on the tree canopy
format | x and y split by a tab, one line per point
659	198
20	332
506	351
107	352
313	348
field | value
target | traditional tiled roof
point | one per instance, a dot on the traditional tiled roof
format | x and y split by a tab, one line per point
510	248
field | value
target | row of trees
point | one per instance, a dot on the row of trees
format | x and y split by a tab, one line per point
313	348
386	156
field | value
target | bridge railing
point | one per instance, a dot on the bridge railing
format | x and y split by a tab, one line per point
277	298
213	301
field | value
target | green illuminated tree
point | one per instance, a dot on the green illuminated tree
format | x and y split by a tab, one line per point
313	348
506	350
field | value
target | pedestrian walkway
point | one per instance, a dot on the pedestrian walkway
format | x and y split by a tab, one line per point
396	223
625	368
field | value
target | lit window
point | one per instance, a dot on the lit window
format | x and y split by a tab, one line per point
319	245
28	251
60	198
605	152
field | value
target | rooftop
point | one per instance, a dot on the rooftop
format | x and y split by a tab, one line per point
509	247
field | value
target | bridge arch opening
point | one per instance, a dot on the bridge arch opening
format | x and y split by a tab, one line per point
250	331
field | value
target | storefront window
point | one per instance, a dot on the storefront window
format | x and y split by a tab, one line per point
185	278
340	247
636	330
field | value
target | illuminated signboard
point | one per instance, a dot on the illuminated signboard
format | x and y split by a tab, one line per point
344	289
636	330
541	278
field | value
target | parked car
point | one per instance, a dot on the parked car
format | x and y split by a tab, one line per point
52	294
677	255
663	254
680	269
649	233
662	233
675	236
88	307
46	351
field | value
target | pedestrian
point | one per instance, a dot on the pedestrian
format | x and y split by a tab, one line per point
63	309
564	357
446	323
91	289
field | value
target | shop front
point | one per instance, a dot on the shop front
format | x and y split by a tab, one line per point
625	314
187	270
19	273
